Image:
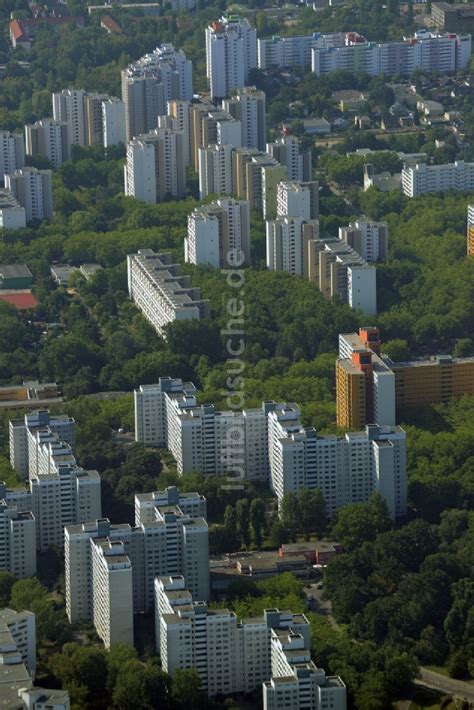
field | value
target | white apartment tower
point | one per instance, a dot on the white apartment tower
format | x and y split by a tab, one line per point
287	151
17	538
369	239
296	682
112	602
287	244
113	122
68	107
49	138
215	170
12	153
231	52
23	436
171	543
34	191
248	107
345	469
152	81
298	199
219	234
159	290
155	166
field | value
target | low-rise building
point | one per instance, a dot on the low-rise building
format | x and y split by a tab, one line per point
15	276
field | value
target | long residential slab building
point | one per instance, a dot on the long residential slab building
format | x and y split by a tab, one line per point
272	446
159	290
234	656
370	387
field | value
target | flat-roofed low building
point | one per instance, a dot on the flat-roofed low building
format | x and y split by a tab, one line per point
15	276
61	273
90	270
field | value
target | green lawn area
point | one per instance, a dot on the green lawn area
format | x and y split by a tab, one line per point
442	670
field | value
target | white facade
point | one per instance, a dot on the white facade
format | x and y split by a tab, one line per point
200	437
229	656
248	107
191	504
155	166
287	151
160	292
68	107
17	538
215	170
286	52
173	543
148	84
429	52
21	626
34	191
346	470
219	234
362	288
422	178
12	214
113	122
12	153
287	244
231	52
296	682
369	239
22	435
112	592
298	199
49	138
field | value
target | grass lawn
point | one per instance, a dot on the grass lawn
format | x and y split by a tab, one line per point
442	670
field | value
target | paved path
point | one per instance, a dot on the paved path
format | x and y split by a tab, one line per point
451	686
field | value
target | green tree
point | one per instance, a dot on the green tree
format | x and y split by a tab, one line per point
257	520
83	667
7	581
139	685
397	350
186	689
312	510
242	510
361	522
290	515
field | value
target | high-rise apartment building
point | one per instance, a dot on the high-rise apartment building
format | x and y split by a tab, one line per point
285	52
12	153
296	682
384	385
68	107
34	191
298	199
230	656
231	52
114	566
93	118
179	120
248	107
470	230
426	51
23	435
17	538
159	290
215	171
287	241
113	121
255	177
365	384
338	270
287	151
152	81
155	166
369	239
345	469
422	178
200	437
49	138
219	234
21	627
192	504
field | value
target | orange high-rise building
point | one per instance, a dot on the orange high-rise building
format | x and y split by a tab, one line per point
470	230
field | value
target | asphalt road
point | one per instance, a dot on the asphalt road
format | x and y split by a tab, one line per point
430	679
